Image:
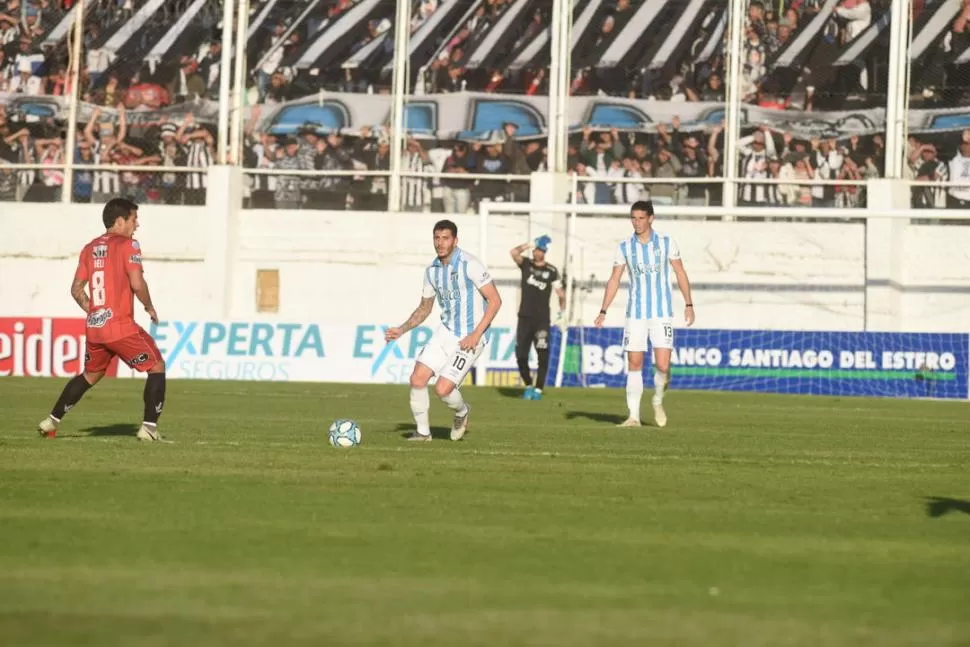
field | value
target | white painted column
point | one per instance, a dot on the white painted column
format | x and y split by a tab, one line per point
223	209
225	71
732	115
884	257
900	32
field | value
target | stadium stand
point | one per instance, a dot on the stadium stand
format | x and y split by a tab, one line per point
153	69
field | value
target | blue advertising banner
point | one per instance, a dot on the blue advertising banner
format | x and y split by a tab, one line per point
902	365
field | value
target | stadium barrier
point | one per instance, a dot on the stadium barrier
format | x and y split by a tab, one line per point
899	365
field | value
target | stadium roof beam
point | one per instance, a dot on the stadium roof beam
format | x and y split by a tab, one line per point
130	28
289	30
791	53
428	28
857	48
360	57
258	21
632	33
580	26
934	27
162	47
349	19
714	40
963	58
677	36
499	30
59	32
454	32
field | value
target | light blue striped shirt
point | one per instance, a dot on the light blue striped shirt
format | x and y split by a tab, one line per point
456	285
648	266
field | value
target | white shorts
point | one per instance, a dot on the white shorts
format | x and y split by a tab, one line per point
443	356
638	332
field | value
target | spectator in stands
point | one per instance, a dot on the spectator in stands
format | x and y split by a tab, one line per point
311	145
273	58
132	182
199	145
416	193
801	194
103	140
827	161
958	197
929	168
50	152
667	166
170	153
6	72
279	90
629	192
847	196
332	156
371	193
83	184
288	194
755	150
755	19
111	94
25	82
457	193
713	90
492	161
693	164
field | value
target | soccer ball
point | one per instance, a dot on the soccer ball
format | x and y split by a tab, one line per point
344	433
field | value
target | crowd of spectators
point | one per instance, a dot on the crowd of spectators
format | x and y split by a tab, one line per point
611	166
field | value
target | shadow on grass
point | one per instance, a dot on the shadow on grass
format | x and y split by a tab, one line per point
117	429
438	433
511	391
937	506
595	416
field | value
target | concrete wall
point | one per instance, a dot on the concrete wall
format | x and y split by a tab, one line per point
356	267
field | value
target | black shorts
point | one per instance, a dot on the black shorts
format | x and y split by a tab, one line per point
532	331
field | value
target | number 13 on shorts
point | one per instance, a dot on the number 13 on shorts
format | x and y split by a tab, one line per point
659	333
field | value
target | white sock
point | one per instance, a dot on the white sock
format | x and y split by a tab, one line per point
634	390
659	383
455	402
420	403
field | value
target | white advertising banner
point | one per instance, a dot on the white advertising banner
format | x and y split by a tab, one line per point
300	352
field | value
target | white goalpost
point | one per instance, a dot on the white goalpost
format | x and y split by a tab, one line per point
787	299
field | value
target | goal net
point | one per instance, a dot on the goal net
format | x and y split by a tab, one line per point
783	305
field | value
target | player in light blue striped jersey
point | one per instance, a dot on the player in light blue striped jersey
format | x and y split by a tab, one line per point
469	302
647	256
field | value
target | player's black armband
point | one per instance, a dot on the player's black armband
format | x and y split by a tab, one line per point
602	312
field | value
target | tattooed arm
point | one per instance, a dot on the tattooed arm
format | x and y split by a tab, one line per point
417	317
80	294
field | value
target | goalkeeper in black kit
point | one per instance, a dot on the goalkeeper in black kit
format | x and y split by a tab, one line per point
539	279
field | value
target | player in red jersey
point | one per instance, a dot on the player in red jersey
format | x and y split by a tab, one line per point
109	276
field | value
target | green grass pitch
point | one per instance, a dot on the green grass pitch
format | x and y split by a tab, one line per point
749	520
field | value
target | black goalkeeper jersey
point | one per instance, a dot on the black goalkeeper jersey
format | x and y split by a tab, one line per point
537	284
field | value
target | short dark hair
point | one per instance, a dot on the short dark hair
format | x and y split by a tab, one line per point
446	224
642	205
117	208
